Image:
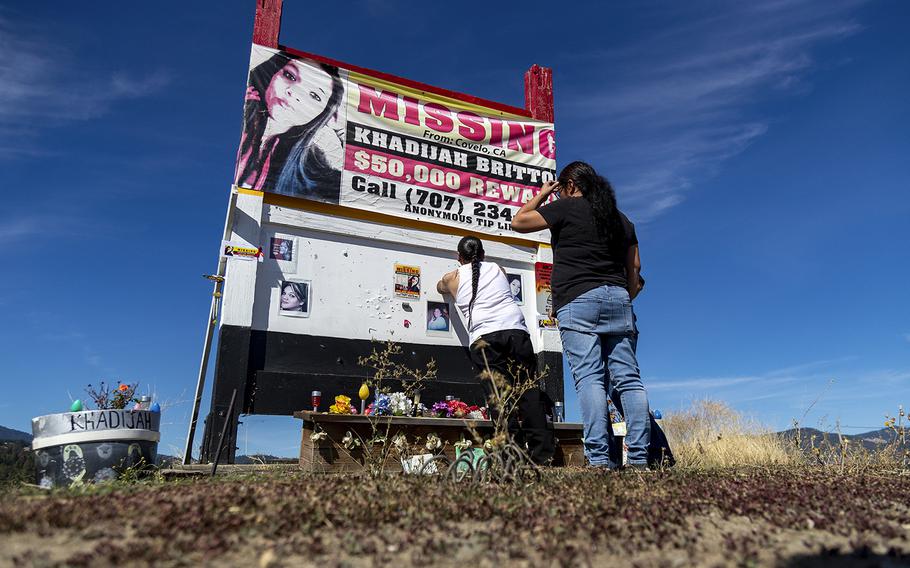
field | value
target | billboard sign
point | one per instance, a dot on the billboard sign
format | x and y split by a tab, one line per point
324	133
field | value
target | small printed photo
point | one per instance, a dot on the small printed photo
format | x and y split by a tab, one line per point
294	299
438	316
281	249
516	288
407	282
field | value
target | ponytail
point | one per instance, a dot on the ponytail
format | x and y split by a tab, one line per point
471	250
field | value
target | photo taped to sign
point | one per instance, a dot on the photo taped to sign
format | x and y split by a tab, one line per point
407	281
438	317
240	251
281	248
515	286
294	298
544	294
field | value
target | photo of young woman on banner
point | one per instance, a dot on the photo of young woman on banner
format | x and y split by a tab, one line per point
293	127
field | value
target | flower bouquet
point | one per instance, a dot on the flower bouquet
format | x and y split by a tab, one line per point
400	404
342	406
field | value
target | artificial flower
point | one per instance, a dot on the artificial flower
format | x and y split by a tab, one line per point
400	404
350	441
439	410
433	442
400	441
381	405
342	405
457	409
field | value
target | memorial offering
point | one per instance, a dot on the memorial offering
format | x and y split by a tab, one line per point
91	446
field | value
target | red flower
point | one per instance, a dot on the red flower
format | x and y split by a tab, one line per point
123	388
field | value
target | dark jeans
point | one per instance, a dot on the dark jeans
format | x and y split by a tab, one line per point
511	354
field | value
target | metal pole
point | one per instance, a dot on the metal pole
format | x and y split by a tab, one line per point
209	329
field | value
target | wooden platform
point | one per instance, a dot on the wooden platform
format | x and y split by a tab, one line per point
205	469
329	455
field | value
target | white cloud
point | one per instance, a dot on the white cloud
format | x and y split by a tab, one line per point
42	87
16	229
682	100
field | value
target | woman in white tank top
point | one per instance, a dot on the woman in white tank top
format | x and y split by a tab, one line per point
484	297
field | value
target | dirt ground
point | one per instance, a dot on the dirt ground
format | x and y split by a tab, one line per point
792	517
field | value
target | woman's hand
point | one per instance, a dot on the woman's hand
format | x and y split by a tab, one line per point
528	219
251	94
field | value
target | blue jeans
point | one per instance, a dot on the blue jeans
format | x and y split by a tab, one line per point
599	339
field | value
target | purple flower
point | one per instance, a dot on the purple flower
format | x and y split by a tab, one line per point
441	409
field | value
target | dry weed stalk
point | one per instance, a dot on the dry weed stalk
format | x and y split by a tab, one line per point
379	445
505	459
712	435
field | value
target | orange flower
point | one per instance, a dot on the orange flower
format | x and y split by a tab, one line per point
123	388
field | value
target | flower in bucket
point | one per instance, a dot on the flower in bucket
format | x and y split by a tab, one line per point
342	405
400	404
463	444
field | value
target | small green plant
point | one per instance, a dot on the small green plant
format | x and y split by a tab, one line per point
139	471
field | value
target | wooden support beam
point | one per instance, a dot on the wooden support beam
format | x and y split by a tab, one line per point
539	92
267	25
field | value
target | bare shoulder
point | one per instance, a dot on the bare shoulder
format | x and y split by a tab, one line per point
448	284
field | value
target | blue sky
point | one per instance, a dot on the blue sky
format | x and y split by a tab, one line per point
762	152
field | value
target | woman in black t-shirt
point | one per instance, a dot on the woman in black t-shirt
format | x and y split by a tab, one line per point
595	276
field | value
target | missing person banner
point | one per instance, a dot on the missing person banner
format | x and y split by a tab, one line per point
318	132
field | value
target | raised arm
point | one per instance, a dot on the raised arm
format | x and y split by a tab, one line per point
448	284
528	219
633	271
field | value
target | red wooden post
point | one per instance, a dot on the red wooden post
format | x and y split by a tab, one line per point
539	93
268	23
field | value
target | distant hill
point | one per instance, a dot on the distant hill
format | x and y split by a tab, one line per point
165	460
10	435
873	440
262	459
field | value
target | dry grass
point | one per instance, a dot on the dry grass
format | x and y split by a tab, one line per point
711	435
764	517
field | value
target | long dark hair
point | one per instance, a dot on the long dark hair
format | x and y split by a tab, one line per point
599	193
299	291
302	164
470	249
